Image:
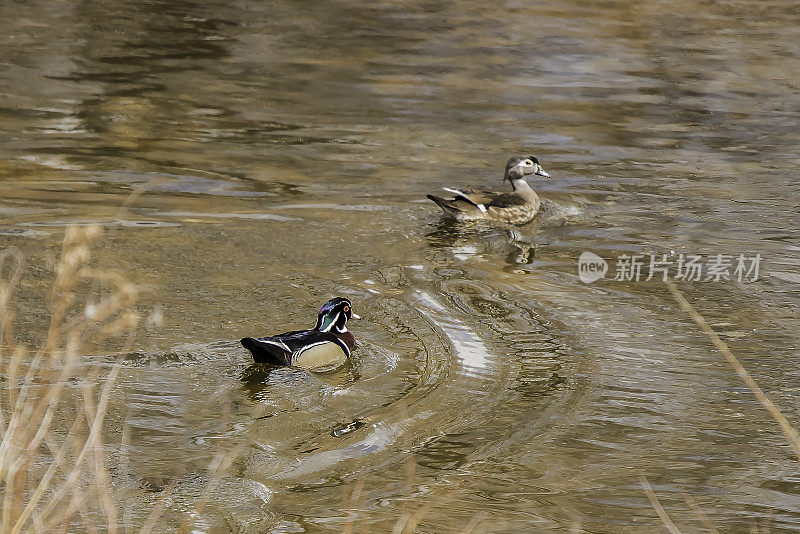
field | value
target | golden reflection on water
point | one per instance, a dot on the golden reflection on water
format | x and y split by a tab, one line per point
279	154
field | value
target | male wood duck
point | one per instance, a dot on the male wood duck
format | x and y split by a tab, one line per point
517	207
324	347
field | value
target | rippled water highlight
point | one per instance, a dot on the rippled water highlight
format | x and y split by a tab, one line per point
251	160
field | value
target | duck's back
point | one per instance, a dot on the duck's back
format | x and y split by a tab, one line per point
309	349
469	205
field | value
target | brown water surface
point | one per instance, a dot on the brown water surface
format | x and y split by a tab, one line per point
283	152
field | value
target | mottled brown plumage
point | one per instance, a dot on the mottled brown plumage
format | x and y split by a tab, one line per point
517	207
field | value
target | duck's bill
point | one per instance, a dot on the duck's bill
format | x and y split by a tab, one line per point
541	172
354	316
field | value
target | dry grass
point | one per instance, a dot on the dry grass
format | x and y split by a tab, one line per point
408	521
53	472
654	502
789	432
52	457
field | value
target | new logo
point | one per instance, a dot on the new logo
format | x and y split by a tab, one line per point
591	267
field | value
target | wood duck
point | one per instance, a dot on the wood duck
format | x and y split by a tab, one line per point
517	207
324	347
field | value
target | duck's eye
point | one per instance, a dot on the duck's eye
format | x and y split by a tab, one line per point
347	309
527	163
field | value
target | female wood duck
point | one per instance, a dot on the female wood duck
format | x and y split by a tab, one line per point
324	347
517	207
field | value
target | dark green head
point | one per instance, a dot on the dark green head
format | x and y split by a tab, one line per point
333	315
520	166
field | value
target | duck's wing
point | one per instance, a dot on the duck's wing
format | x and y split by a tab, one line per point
503	200
299	340
483	200
268	350
287	348
467	204
476	198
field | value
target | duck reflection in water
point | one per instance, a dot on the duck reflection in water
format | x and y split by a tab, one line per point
518	247
263	379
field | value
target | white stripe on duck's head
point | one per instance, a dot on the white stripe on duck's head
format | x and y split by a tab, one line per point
333	315
520	166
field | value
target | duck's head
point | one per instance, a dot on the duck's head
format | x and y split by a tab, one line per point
520	166
333	315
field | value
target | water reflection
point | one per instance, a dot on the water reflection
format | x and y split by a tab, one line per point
516	245
256	378
272	155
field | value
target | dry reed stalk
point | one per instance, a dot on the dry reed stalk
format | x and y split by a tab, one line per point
788	430
470	527
158	509
351	503
408	521
786	427
53	471
662	514
400	524
699	513
50	480
216	469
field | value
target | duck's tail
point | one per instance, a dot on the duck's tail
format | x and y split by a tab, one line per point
265	351
446	206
